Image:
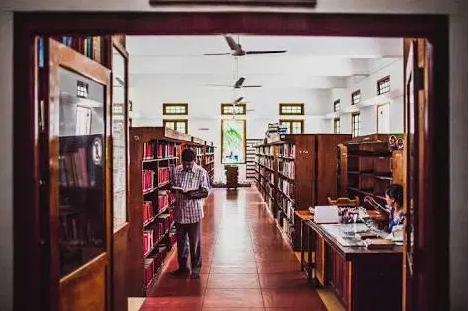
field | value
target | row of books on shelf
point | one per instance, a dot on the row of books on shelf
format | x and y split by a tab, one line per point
267	175
286	187
154	234
153	264
148	180
76	171
267	162
199	151
287	150
88	46
287	206
287	168
265	150
165	198
159	150
148	177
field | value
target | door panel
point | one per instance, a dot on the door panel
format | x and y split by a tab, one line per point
78	165
420	232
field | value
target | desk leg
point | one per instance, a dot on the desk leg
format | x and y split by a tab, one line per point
302	246
310	256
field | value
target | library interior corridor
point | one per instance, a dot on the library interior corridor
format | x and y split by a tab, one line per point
247	265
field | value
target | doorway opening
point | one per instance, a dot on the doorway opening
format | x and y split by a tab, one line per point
422	141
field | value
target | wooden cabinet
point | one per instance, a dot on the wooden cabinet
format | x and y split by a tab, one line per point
340	276
368	167
320	260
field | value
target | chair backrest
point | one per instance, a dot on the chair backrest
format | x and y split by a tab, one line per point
343	202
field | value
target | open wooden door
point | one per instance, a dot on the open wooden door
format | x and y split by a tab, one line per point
420	280
76	165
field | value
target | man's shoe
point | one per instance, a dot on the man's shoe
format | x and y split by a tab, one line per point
179	272
195	276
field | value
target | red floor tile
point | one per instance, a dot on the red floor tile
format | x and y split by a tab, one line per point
233	298
233	281
292	298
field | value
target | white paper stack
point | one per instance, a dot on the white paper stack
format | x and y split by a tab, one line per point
328	214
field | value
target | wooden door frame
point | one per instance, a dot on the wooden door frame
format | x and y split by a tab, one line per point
27	235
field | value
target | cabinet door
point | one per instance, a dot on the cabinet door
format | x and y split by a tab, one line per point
319	259
77	146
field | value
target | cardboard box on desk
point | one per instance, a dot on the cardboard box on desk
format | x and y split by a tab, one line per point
326	214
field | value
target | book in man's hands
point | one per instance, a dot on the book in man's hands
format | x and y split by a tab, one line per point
185	190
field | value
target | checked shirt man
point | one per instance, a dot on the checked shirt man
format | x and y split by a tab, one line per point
188	211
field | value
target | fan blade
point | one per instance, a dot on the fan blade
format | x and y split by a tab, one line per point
239	82
224	85
252	86
239	99
265	52
232	43
211	54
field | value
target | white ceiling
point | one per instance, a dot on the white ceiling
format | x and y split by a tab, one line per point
311	62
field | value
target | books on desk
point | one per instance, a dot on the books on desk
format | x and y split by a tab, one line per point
379	243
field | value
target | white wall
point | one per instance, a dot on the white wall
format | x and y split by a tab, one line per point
457	9
367	86
204	110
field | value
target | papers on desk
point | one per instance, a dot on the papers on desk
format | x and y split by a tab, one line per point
326	214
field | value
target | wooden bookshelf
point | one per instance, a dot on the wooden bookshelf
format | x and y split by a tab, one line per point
368	167
209	160
297	173
154	152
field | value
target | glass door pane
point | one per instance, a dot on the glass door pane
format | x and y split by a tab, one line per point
81	191
119	138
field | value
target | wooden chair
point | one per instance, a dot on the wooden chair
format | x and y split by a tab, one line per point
344	202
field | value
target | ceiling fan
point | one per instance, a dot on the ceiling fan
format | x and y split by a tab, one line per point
238	84
237	50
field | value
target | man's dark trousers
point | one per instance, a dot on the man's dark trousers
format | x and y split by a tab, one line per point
183	231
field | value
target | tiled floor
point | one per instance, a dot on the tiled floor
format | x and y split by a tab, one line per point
246	264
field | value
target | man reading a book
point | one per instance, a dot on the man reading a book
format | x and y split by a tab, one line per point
191	183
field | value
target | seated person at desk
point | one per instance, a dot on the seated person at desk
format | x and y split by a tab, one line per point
394	201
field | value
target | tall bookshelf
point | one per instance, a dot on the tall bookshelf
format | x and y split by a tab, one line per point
296	173
209	160
266	169
154	152
251	158
368	167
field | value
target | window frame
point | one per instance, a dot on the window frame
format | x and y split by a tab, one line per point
337	103
186	121
291	105
354	94
169	105
337	128
354	129
290	121
380	82
223	106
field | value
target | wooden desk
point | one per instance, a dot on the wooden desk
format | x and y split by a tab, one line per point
362	279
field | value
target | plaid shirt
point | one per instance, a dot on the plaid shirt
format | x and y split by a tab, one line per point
187	210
